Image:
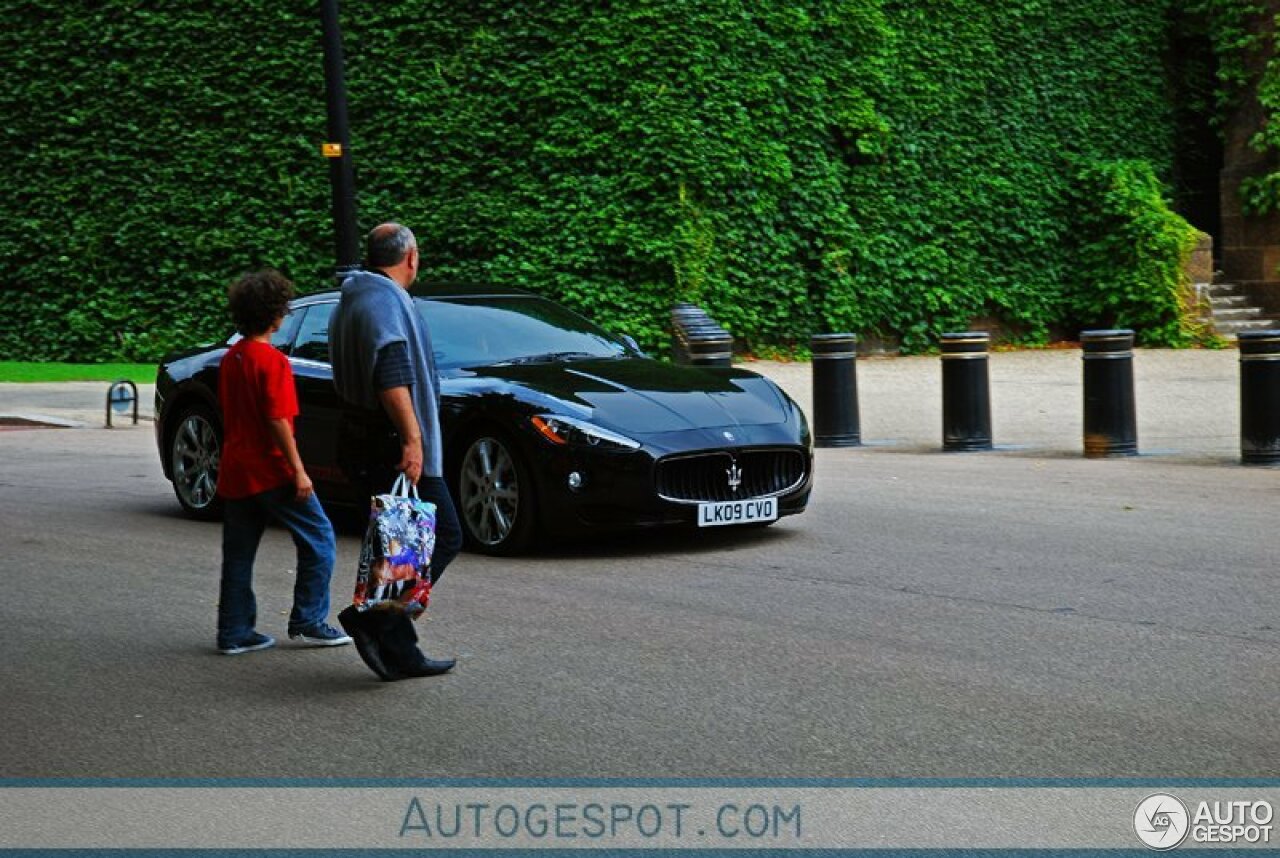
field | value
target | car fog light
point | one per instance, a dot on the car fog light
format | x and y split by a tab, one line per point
575	481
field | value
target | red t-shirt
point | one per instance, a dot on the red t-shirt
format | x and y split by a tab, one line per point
255	385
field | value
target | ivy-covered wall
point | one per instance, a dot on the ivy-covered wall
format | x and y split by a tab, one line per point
884	166
1250	117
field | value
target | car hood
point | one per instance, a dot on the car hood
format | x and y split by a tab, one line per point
642	396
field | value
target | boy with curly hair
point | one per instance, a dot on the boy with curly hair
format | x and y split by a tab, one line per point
261	477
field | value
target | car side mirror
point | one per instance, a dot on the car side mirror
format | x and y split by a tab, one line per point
631	344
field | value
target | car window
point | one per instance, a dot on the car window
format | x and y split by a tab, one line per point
481	331
313	334
283	338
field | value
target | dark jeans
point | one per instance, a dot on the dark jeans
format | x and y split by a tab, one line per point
368	449
243	523
448	530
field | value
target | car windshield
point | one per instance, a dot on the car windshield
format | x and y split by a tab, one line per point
512	329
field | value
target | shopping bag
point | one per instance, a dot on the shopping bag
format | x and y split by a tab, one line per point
394	573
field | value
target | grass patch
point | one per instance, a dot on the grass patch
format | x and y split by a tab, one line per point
22	371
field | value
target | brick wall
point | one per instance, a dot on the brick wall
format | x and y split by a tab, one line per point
1250	244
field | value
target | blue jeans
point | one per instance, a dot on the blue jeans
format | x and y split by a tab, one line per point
244	520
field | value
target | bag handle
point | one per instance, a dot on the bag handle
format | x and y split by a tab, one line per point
403	487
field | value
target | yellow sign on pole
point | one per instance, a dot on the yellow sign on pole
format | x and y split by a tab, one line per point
331	150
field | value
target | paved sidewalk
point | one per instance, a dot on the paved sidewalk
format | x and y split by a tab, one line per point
74	404
1187	402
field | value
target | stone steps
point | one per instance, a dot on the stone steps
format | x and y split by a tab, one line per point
1230	313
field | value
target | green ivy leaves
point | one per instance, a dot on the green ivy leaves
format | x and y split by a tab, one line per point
1132	249
882	166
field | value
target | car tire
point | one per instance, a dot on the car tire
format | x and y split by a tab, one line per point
496	495
195	454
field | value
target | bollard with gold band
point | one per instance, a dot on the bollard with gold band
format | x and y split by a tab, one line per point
697	339
966	392
835	390
1259	397
709	346
683	317
1110	416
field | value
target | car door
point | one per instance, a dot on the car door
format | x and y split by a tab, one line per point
316	427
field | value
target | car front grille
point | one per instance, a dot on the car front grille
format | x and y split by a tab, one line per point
705	477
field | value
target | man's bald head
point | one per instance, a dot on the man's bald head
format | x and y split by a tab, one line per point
391	248
387	244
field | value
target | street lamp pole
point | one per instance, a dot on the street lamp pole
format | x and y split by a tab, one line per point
337	146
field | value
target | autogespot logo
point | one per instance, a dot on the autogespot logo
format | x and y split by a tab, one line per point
1161	821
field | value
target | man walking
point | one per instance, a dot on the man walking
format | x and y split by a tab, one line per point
383	365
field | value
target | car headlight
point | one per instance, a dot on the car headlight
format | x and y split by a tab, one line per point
570	431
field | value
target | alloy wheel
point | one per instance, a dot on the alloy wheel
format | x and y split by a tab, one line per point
197	452
490	491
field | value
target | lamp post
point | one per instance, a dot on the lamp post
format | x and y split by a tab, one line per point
337	148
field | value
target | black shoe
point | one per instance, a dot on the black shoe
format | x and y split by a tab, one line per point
399	640
431	667
366	636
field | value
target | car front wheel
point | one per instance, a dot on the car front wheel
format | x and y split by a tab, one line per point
195	453
495	496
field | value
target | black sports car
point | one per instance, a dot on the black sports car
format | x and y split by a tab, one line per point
552	426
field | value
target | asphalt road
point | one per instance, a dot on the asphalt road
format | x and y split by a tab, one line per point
950	615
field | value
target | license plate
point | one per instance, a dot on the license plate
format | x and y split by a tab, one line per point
737	512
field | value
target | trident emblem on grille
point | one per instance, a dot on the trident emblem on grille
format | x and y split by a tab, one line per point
735	476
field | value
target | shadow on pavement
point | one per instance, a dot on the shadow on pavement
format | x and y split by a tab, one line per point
656	542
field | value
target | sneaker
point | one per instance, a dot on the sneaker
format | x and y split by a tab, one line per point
320	635
252	643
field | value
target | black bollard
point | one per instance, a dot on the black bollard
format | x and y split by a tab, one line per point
966	392
835	390
697	339
684	315
1259	397
709	346
1110	417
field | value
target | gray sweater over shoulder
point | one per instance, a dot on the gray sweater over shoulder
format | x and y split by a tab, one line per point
373	312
